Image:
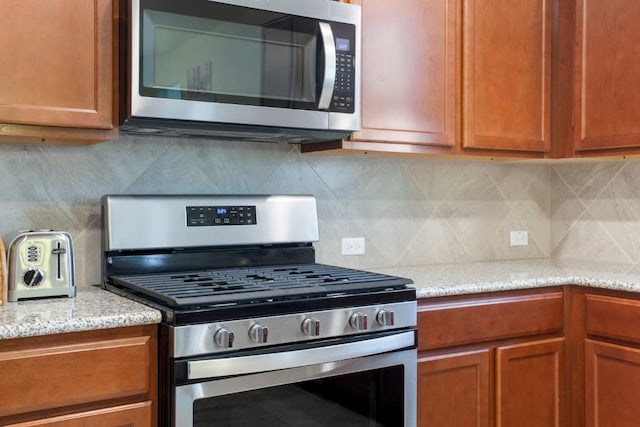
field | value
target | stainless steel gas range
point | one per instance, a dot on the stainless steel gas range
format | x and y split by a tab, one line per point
254	331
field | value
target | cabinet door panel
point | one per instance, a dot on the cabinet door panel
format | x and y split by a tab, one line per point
607	65
57	63
408	71
507	74
612	385
453	390
530	384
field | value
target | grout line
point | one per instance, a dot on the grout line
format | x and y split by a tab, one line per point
142	172
574	222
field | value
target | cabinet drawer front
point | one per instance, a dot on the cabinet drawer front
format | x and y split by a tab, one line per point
135	415
613	317
475	320
49	377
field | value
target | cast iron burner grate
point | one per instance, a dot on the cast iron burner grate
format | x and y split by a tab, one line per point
242	285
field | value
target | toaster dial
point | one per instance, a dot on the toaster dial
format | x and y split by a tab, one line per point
33	277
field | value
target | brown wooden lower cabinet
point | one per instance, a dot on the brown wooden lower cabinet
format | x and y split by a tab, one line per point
530	384
612	383
453	389
612	359
134	415
490	360
95	378
458	389
566	356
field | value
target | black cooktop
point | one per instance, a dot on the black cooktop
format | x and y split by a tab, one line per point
220	287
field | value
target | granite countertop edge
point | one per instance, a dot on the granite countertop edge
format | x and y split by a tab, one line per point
440	280
92	309
483	287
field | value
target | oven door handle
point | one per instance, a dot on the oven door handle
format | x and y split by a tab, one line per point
242	365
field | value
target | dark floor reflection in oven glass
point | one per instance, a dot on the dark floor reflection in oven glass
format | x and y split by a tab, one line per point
368	399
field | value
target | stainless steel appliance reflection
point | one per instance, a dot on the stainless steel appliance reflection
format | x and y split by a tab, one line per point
254	330
272	71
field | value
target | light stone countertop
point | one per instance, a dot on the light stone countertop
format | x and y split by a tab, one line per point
459	279
92	308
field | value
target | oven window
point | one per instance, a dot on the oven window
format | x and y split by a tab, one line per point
363	399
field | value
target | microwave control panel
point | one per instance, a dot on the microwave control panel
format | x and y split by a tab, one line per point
344	87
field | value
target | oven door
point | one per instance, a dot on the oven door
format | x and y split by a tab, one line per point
366	383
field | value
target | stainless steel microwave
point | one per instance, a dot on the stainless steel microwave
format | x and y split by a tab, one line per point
261	70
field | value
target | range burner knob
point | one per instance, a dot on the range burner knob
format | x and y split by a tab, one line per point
311	327
258	333
385	318
224	338
358	321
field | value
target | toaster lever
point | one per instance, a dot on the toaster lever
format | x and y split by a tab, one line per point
59	251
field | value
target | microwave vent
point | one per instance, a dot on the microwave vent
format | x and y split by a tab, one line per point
226	132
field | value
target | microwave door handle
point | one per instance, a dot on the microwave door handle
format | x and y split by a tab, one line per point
329	49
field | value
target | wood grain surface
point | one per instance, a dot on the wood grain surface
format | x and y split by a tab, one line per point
3	274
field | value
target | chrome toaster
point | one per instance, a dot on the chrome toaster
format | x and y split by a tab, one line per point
40	264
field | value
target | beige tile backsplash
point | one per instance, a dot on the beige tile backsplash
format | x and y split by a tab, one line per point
411	211
595	211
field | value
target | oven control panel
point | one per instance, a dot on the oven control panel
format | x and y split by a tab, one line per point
243	334
210	216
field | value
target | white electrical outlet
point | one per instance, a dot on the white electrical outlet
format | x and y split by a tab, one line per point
519	238
353	246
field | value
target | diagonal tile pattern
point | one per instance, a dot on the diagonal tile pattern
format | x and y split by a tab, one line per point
411	211
595	211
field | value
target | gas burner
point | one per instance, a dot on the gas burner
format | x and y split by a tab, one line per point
243	285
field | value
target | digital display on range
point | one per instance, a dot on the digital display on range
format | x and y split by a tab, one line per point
211	216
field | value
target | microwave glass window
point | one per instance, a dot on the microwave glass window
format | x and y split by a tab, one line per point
189	56
364	399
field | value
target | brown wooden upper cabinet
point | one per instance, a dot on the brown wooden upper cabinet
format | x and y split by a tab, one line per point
454	77
506	74
408	71
57	70
607	66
